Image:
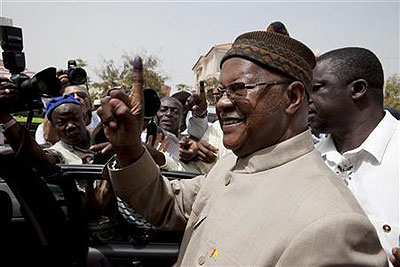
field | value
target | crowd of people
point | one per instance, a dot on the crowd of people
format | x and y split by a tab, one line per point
300	169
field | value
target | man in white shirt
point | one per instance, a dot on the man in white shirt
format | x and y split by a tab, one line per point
363	144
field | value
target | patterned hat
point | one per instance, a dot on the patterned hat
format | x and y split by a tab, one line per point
275	49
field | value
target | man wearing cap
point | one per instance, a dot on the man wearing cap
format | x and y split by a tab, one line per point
273	202
66	115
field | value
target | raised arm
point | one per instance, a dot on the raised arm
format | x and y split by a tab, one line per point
134	174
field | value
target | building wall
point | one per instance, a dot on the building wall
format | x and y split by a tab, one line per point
207	66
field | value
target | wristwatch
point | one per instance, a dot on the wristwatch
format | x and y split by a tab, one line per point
202	116
8	124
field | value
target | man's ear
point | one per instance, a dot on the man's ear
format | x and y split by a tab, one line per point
358	88
295	93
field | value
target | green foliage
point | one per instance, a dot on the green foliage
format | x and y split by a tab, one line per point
392	92
80	63
24	119
121	76
182	87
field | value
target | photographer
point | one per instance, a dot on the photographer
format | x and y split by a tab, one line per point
45	133
66	115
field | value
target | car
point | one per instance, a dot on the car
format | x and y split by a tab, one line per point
43	222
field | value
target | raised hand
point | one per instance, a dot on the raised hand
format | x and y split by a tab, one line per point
395	258
9	98
207	153
197	103
122	118
188	149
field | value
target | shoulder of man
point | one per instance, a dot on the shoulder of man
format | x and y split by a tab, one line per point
355	243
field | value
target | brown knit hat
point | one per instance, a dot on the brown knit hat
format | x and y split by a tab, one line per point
275	49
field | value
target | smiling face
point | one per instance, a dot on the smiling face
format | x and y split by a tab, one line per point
170	115
69	122
258	119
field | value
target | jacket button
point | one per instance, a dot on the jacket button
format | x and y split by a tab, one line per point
386	228
202	260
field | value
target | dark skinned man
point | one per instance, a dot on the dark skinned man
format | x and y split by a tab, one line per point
271	203
68	119
364	140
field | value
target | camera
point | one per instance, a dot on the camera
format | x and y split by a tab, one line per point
76	75
30	90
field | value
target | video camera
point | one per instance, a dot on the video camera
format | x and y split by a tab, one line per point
30	90
76	75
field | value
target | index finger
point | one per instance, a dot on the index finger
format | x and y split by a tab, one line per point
136	96
202	90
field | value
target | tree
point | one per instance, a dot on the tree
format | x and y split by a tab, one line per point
392	92
182	87
113	76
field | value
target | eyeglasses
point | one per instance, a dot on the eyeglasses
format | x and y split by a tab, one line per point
239	90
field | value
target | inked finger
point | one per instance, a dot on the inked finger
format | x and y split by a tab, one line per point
136	96
202	90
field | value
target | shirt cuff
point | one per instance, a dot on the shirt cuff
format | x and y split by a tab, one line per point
134	176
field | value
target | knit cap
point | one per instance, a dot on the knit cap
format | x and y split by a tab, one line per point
57	101
275	49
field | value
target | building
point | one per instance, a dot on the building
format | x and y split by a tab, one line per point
207	66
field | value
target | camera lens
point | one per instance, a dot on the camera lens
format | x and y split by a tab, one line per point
77	76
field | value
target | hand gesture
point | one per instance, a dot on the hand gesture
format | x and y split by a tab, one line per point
197	103
9	97
161	143
207	153
122	118
395	258
63	78
188	149
97	199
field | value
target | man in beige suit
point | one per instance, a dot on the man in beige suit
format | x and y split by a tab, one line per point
271	203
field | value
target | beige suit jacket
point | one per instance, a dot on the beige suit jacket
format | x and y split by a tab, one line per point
280	206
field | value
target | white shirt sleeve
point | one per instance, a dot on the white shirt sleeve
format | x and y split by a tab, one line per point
196	126
39	137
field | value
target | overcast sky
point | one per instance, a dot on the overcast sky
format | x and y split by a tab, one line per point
180	32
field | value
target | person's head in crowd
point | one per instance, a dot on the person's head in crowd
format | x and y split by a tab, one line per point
66	115
182	96
347	90
81	93
169	115
262	93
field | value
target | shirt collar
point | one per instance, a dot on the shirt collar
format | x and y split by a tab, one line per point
276	155
328	150
375	144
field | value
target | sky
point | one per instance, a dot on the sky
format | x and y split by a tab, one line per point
178	33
